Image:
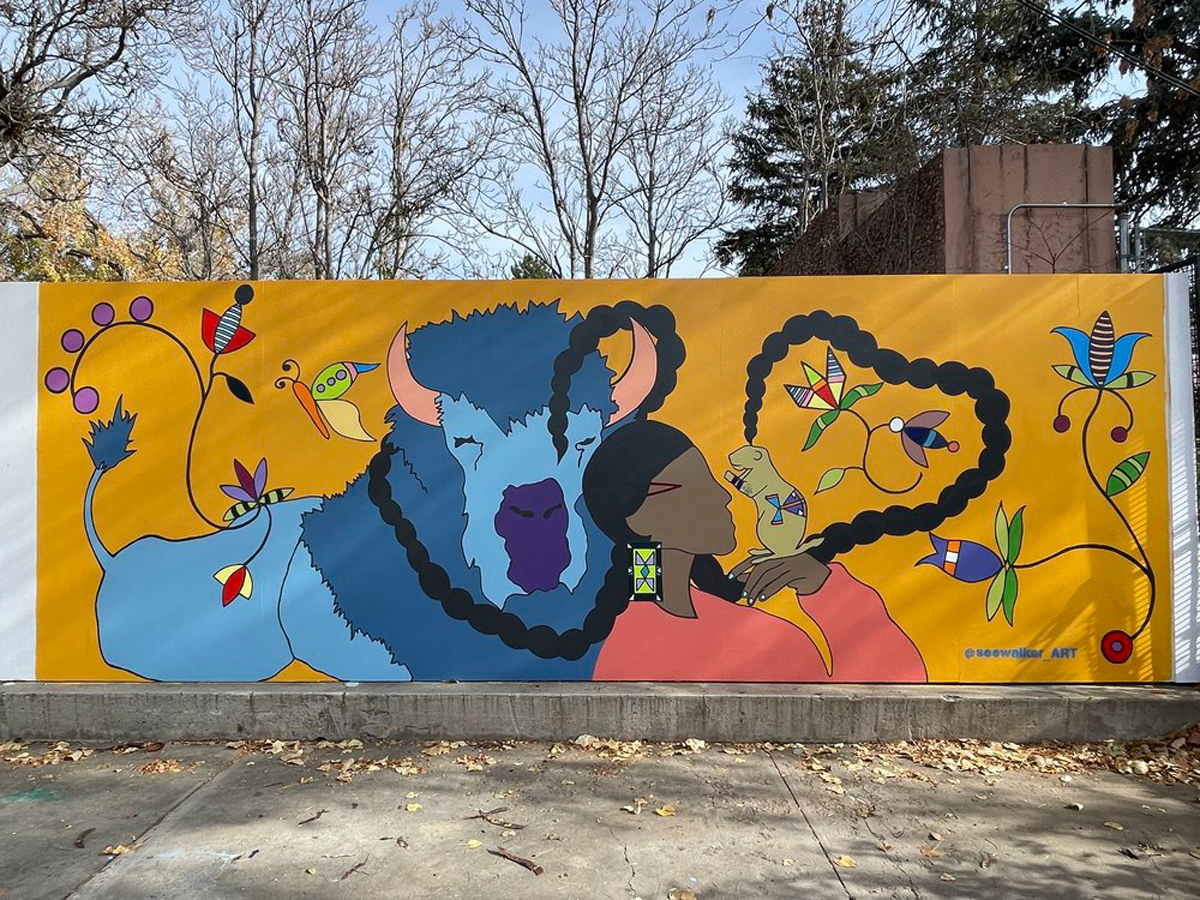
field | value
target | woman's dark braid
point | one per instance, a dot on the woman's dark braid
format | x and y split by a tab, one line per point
952	378
602	322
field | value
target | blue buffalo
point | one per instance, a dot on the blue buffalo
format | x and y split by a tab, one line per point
474	470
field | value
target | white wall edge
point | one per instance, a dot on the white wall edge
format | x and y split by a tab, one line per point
1181	452
18	481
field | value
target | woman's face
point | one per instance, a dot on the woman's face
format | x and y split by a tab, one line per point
687	509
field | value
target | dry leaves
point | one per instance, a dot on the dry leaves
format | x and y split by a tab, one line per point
667	810
608	749
161	766
441	748
846	862
476	762
59	753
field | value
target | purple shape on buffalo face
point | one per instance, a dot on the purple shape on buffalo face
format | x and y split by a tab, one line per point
532	520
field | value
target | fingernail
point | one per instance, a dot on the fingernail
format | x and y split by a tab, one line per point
762	596
744	595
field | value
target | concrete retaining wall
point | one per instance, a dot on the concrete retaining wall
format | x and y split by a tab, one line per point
564	711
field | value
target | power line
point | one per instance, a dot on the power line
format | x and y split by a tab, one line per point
1131	58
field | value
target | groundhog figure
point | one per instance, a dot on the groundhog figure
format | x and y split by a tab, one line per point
782	510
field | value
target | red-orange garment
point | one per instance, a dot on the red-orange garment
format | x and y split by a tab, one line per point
727	642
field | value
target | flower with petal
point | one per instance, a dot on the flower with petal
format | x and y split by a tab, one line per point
962	560
249	487
1101	359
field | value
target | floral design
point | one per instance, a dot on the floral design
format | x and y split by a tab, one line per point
1101	368
828	392
220	334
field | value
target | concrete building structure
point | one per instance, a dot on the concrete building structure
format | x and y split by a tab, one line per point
952	216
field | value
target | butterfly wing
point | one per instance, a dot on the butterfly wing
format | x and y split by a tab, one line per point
930	419
344	418
305	398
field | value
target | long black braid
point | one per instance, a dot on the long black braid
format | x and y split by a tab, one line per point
604	321
951	378
613	596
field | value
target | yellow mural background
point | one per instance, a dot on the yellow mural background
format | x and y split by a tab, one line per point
998	322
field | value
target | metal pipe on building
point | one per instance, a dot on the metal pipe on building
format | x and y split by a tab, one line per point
1061	205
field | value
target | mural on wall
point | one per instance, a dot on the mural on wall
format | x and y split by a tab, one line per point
532	501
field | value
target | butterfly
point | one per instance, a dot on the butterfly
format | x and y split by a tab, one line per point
323	400
920	433
823	391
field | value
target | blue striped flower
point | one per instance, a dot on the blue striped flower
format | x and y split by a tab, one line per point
1102	359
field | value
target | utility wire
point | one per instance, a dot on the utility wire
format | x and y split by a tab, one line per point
1131	58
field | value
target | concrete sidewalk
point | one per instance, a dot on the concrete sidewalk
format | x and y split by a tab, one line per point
604	820
560	711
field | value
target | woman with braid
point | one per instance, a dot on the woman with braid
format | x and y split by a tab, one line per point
648	482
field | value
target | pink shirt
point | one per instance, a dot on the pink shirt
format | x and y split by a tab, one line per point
727	642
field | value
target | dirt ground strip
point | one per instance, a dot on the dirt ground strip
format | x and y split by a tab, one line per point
599	819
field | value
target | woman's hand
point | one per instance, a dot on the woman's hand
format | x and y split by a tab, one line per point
765	577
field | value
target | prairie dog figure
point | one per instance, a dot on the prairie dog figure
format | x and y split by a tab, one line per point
782	509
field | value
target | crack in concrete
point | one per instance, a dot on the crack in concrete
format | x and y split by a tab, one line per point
866	819
118	862
820	843
628	862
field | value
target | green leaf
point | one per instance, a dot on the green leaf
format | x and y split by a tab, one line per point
1126	473
1016	532
1009	600
831	479
857	393
1072	373
1002	532
238	388
1130	380
995	595
818	427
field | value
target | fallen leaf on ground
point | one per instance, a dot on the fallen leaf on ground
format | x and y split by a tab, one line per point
667	810
413	807
930	852
310	871
934	836
946	876
1075	806
117	850
472	844
681	894
1115	826
846	862
161	766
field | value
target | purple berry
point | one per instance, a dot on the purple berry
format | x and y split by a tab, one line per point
102	314
72	340
86	400
57	380
142	308
1061	424
1119	434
